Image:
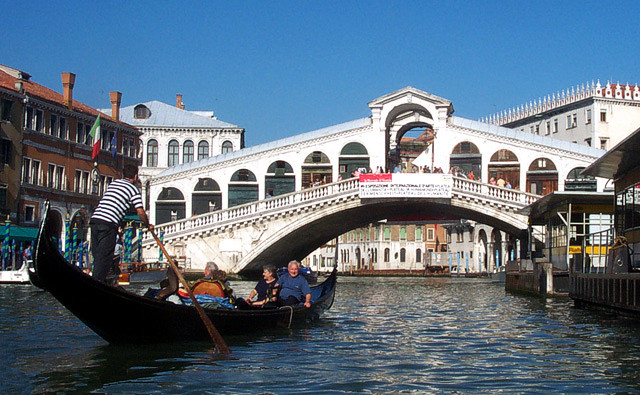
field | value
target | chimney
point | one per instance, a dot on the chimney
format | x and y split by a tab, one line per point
68	79
115	105
179	103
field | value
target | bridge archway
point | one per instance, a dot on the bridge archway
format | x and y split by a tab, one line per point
542	177
170	205
279	179
316	169
299	238
206	196
353	156
496	251
483	257
504	164
243	188
467	157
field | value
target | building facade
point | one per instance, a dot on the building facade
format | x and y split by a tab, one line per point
383	246
48	152
174	136
592	114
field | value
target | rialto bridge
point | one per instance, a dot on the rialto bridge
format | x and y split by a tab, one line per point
257	205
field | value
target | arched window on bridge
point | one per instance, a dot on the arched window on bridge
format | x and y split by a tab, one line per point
577	182
227	147
504	164
152	153
203	149
542	177
387	254
279	179
170	200
466	156
316	170
243	188
206	196
187	151
174	153
353	156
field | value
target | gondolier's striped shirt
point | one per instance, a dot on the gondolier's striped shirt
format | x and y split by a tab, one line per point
116	200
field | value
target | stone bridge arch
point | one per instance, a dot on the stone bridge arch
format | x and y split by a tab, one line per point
302	234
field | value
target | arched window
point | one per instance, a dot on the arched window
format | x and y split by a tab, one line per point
227	147
203	149
152	153
577	182
243	188
418	255
387	233
403	255
386	254
174	153
418	235
187	151
141	112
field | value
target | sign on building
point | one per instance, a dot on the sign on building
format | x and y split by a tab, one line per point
405	185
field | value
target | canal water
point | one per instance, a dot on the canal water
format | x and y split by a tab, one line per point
382	335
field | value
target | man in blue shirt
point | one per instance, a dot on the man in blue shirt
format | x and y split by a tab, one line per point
293	287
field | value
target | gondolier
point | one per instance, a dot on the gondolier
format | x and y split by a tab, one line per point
107	217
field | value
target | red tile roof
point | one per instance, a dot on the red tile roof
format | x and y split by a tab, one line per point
33	89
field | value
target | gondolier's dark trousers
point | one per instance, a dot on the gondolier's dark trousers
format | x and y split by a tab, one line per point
103	243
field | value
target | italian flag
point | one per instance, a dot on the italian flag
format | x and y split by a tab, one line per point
96	138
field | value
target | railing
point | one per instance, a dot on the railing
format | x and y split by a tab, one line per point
250	210
494	191
594	250
323	192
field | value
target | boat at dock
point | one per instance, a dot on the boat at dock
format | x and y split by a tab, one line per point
121	316
17	276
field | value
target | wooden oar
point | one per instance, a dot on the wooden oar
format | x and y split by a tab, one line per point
221	346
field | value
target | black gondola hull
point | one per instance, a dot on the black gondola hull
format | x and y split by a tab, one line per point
119	316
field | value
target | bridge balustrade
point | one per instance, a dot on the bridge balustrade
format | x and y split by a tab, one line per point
501	193
349	187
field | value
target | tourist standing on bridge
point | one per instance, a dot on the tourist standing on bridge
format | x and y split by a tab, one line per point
107	217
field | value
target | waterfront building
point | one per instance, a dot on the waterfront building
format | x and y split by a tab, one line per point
46	151
576	224
390	246
175	136
622	165
592	114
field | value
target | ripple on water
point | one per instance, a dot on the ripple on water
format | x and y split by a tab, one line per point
382	335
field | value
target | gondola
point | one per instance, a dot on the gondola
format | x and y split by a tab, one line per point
120	316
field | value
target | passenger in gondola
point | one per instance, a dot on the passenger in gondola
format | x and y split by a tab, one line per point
266	291
294	288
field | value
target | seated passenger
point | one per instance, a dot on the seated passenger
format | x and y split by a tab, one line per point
266	290
294	288
213	283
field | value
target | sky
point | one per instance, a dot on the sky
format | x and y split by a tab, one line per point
281	68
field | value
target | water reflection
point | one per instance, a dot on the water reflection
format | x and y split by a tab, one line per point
382	335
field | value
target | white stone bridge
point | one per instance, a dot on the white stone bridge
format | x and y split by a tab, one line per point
278	229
